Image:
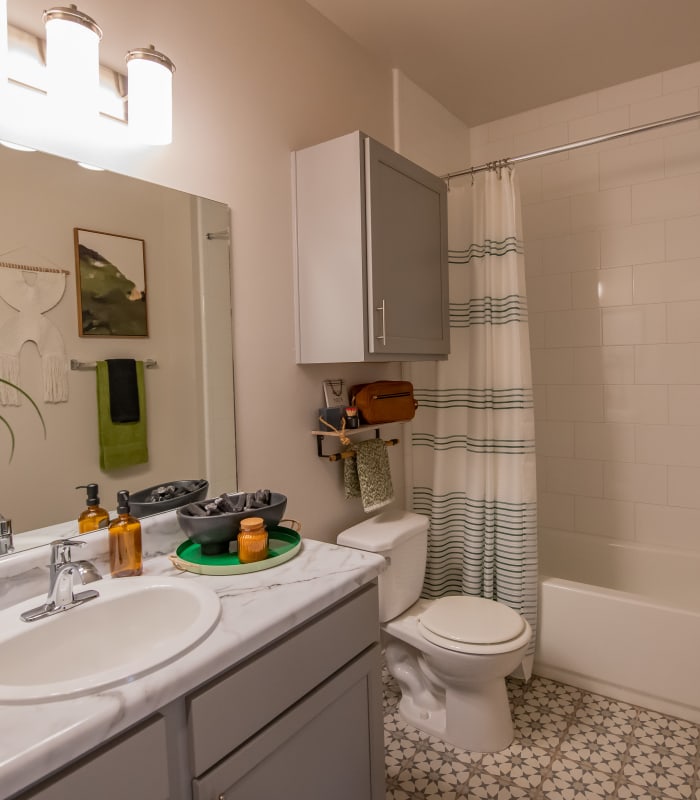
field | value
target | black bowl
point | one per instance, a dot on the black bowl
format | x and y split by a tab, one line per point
142	506
214	533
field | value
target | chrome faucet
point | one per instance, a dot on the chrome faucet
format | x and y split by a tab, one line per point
6	543
63	575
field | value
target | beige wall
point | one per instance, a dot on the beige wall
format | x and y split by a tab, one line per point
255	79
425	131
613	269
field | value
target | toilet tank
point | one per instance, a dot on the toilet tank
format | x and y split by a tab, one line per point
402	538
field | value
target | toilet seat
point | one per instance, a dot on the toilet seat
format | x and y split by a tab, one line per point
473	625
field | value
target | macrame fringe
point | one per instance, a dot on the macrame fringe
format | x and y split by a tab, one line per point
9	371
55	369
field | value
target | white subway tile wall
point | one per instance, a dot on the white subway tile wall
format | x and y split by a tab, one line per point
612	247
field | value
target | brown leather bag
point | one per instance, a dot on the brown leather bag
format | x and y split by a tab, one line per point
384	401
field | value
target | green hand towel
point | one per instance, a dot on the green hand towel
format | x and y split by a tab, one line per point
122	444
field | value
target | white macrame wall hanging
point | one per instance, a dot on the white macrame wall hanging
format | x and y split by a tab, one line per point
32	291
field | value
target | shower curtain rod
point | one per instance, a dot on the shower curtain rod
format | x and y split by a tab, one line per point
605	137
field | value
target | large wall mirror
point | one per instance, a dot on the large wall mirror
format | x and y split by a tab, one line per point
186	257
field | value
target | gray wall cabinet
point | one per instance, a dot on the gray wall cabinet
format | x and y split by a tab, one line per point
371	275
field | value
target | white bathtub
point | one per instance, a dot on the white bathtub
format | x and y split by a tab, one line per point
630	631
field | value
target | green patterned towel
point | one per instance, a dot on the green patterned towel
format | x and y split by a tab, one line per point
368	475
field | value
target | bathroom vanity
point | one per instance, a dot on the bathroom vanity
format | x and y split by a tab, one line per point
282	698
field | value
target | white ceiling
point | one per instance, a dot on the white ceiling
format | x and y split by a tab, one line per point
486	59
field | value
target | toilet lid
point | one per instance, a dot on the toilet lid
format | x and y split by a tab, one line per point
472	620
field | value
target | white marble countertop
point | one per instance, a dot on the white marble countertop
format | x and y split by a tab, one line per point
257	608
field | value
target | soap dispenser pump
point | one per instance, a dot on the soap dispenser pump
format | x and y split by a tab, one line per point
125	557
94	516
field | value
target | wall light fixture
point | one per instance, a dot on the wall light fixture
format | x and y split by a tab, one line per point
72	62
150	98
60	84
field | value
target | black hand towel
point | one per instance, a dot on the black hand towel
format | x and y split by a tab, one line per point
123	390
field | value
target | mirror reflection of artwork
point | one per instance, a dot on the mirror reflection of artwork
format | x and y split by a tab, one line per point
111	277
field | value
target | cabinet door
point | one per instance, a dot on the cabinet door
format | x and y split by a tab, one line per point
135	766
408	304
327	747
228	711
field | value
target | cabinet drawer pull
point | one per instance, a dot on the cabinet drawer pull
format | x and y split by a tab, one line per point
382	308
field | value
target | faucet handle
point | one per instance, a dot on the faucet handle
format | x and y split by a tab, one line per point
6	542
60	550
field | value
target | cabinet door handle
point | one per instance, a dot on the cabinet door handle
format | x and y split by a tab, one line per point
382	308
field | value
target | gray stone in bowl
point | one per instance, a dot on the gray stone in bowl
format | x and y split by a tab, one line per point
214	533
141	507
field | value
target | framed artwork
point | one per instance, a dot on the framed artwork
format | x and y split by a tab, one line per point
111	282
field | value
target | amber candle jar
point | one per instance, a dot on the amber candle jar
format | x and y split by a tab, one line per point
252	540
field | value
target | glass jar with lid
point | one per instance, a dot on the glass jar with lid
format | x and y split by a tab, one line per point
252	540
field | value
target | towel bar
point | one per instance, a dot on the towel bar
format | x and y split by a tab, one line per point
350	453
147	362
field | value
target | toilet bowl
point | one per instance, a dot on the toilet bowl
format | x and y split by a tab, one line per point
450	656
454	689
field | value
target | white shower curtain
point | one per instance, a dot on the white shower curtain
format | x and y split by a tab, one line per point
473	453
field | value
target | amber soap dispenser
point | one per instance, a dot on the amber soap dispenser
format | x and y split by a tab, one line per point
94	517
125	557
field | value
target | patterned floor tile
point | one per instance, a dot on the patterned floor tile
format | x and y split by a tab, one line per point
569	745
571	780
556	697
607	758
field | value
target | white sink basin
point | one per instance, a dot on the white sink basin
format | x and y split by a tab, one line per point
135	626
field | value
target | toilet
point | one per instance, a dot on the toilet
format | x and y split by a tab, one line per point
450	656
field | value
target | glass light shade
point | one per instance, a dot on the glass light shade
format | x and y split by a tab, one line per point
150	96
72	62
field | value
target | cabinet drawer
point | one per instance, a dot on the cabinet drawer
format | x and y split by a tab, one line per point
134	765
223	714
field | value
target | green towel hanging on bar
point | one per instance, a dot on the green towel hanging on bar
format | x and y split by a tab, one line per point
122	444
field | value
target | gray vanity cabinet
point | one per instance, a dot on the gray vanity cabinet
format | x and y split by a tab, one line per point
371	276
303	720
320	749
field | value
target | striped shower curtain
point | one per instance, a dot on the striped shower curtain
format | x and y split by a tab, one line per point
473	454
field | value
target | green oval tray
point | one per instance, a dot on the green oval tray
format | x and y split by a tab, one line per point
283	543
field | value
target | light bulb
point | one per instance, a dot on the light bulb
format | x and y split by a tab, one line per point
150	96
